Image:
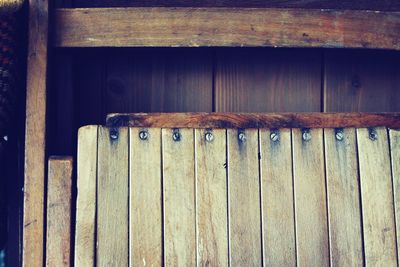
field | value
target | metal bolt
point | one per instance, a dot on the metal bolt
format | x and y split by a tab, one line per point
143	135
176	135
5	138
114	134
373	135
306	135
242	137
274	136
339	134
209	136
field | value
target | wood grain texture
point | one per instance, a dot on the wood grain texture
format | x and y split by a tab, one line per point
59	212
310	199
277	198
145	227
245	245
179	198
211	198
344	207
86	200
377	198
35	132
268	80
208	27
395	160
362	81
112	198
255	120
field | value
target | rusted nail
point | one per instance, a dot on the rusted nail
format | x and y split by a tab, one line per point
306	134
176	135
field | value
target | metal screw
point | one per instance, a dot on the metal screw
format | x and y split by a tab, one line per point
242	137
176	135
209	136
373	135
5	138
306	135
114	134
339	134
274	136
143	135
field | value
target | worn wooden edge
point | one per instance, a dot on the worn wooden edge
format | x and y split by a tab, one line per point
193	27
254	120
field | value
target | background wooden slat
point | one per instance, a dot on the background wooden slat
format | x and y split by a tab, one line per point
310	199
59	212
268	80
345	232
179	198
86	199
211	198
145	198
112	198
245	245
277	198
193	27
395	157
377	198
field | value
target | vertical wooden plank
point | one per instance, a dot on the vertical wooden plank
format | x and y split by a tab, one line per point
59	211
310	198
377	197
179	197
35	131
145	197
244	198
112	197
345	232
277	198
211	198
268	80
365	81
86	199
395	157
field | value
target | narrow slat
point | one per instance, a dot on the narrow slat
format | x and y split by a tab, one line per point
343	197
211	198
310	199
277	198
59	212
244	199
112	197
377	197
179	198
86	199
395	156
145	197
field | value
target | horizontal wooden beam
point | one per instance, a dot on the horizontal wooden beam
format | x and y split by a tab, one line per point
193	27
255	120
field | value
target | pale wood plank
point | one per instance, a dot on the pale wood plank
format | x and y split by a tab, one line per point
345	232
395	157
194	27
145	197
244	199
59	211
277	198
310	199
86	199
179	198
112	197
377	198
211	198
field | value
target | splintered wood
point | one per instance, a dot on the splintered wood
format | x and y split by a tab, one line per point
240	197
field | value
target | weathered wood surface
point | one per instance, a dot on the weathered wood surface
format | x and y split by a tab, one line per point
35	132
59	212
344	207
145	198
112	197
211	197
377	197
86	199
395	157
254	120
118	27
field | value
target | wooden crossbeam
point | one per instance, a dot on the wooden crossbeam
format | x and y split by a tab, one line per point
193	27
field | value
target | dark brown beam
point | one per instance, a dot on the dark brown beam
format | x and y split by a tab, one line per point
192	27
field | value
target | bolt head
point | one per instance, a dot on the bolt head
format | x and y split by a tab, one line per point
306	135
143	135
114	134
274	137
242	137
176	136
373	135
209	136
339	136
